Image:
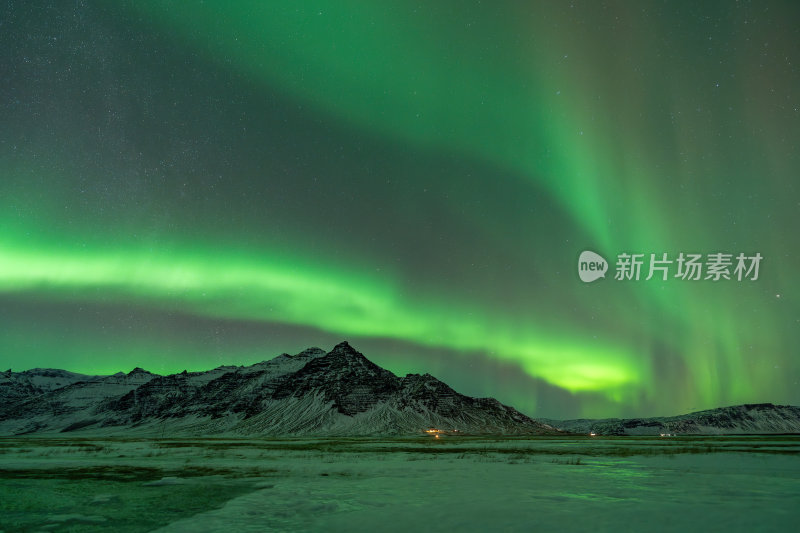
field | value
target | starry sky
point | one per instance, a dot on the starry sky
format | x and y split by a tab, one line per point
190	184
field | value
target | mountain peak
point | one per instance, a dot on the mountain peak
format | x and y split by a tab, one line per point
344	346
139	370
310	352
344	351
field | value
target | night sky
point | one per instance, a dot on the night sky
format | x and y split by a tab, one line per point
190	184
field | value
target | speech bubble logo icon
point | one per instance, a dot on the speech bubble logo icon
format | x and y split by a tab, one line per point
591	266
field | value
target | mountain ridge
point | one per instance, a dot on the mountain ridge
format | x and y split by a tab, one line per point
314	392
743	419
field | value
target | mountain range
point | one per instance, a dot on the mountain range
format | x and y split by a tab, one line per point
752	419
313	393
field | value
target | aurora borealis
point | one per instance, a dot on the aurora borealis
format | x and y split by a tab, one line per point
190	184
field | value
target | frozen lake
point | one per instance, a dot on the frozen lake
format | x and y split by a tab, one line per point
367	484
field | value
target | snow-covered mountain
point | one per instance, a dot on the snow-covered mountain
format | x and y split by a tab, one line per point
339	392
761	418
14	385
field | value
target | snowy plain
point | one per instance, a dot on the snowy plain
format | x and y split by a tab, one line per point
742	483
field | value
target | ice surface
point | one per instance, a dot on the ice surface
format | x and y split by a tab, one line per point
361	484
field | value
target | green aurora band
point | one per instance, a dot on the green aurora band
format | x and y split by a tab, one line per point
589	126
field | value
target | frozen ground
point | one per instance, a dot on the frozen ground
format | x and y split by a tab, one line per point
362	484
